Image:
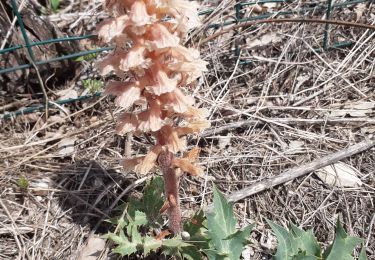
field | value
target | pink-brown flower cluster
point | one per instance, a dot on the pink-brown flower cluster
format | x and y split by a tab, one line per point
154	70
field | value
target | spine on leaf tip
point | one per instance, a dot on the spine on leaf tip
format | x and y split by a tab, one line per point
154	72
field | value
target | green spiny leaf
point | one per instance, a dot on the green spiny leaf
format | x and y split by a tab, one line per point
174	246
140	218
342	246
196	227
241	233
125	249
133	205
153	199
304	241
135	235
238	240
150	243
121	222
195	224
55	5
225	239
215	255
221	223
362	255
284	247
122	234
303	256
295	243
191	253
134	218
115	238
175	242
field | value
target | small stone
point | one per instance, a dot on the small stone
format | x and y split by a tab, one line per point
185	235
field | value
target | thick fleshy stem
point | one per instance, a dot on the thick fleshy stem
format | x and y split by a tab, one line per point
171	187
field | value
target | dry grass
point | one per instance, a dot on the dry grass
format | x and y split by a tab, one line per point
290	99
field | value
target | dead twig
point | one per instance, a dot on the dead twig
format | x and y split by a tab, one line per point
300	171
128	145
370	230
14	230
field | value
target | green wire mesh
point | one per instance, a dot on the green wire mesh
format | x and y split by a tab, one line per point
239	14
238	10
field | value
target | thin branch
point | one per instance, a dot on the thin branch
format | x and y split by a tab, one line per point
15	231
301	170
128	145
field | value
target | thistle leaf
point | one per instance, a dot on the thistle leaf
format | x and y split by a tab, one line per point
342	246
139	218
153	199
175	242
115	238
177	247
362	255
295	243
226	241
126	249
55	5
284	248
305	241
303	256
135	235
191	253
150	243
197	230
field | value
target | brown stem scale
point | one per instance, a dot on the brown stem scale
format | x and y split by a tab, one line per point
171	185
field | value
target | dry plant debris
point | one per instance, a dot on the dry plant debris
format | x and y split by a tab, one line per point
290	105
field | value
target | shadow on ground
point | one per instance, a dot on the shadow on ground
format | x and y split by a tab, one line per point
90	193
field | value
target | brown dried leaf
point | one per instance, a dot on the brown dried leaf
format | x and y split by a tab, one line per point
92	249
131	164
339	175
171	139
188	167
66	146
149	161
163	234
127	122
193	154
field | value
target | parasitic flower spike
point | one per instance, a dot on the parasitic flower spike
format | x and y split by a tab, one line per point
154	68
